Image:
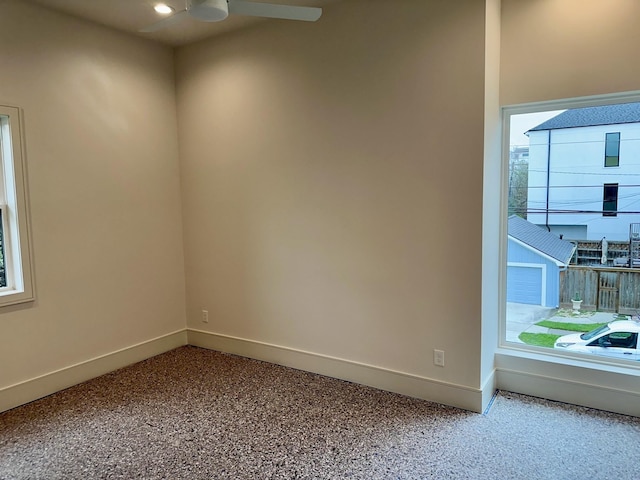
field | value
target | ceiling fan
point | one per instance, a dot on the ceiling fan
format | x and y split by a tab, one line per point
217	10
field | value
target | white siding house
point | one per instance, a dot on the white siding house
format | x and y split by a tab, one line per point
584	172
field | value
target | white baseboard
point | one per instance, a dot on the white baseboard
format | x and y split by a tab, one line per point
399	382
488	390
33	389
610	388
604	388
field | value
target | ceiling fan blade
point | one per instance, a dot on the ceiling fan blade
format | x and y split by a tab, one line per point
270	10
165	22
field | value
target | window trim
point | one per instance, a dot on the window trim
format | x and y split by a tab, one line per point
13	175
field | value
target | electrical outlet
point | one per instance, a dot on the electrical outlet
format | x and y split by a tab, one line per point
438	358
205	316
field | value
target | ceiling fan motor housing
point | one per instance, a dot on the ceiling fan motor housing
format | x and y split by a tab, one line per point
208	10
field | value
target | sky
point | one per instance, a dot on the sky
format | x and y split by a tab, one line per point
522	123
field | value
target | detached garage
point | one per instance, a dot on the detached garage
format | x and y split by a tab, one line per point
534	260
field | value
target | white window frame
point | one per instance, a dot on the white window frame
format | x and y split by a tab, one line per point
506	112
14	207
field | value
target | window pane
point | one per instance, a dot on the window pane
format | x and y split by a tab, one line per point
610	200
572	257
16	274
611	161
612	150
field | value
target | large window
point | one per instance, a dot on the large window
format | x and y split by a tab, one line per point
612	150
16	276
572	228
610	200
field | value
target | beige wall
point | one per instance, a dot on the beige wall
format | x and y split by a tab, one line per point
554	49
103	172
331	176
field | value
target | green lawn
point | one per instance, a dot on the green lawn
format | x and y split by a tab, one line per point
539	339
548	339
569	326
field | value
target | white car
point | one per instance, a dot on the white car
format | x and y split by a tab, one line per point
618	339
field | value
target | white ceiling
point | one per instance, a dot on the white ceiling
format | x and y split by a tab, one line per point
132	15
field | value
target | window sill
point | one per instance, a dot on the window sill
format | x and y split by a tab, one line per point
13	297
627	368
600	385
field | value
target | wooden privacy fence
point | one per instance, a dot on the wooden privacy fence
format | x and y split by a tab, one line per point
602	289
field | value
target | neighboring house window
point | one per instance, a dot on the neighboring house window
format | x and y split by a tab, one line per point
16	278
610	200
612	150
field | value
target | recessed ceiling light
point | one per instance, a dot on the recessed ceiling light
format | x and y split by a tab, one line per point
163	9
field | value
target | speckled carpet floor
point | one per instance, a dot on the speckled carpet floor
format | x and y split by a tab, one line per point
197	414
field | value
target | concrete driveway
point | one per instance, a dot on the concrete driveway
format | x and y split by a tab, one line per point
521	316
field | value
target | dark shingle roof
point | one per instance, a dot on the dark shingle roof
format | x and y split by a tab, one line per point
540	239
590	116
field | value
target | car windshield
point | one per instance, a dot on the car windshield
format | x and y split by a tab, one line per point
595	333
